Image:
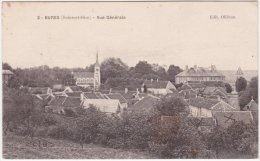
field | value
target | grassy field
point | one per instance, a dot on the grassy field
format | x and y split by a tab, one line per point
17	147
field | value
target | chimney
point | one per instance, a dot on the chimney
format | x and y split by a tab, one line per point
219	98
157	79
186	67
110	90
151	80
126	90
213	67
195	67
82	96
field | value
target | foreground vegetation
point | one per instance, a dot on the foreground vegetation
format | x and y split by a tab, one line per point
178	136
19	147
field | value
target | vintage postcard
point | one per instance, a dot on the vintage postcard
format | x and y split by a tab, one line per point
130	80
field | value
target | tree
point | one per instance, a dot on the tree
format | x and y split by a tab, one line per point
173	71
20	109
253	88
142	67
241	84
241	137
131	130
68	80
87	124
113	68
172	106
6	66
217	140
228	87
161	72
250	92
244	98
145	89
183	139
178	85
14	82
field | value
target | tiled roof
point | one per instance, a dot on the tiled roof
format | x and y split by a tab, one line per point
73	94
99	95
128	95
211	104
210	90
197	85
188	95
65	101
44	96
83	75
225	119
155	84
94	95
223	106
203	103
72	102
252	106
185	87
105	91
200	72
104	105
75	88
117	96
38	90
146	104
220	93
7	72
57	101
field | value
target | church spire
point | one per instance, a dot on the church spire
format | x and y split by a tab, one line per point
239	72
97	63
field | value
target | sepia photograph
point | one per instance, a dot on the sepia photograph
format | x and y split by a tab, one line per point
130	80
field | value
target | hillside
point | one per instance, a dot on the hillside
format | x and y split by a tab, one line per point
17	147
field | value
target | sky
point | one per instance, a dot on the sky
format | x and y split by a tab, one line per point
162	33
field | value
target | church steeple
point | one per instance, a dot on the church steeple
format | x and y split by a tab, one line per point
239	72
97	62
97	74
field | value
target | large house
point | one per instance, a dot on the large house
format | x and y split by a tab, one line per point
201	107
227	118
89	79
199	74
7	75
158	87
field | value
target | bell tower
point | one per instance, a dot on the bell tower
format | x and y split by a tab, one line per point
239	73
97	79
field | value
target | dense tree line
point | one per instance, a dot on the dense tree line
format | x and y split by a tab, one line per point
114	74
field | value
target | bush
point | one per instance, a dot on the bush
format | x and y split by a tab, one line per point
49	120
131	131
69	112
58	132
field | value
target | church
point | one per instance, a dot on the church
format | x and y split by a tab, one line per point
89	79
